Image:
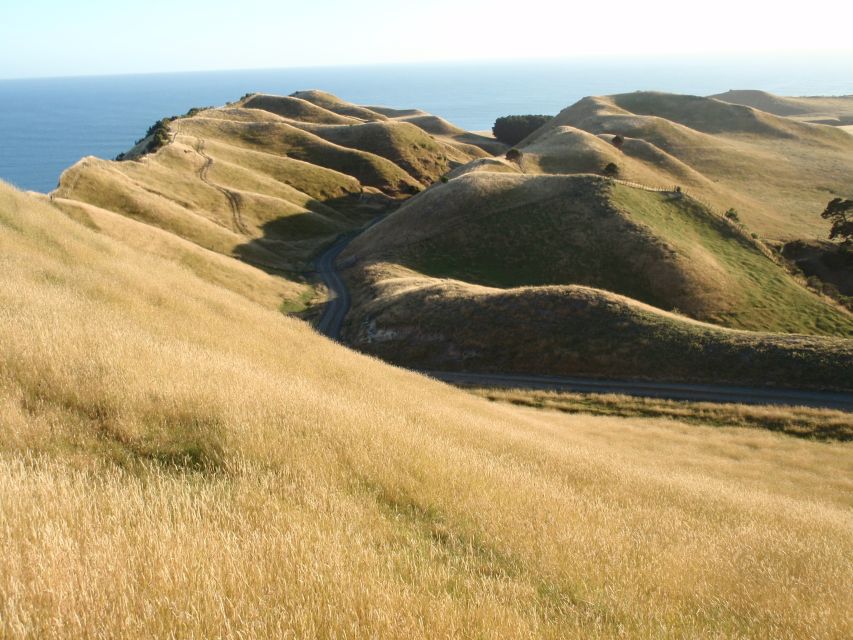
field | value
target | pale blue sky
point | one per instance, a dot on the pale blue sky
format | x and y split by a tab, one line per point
85	37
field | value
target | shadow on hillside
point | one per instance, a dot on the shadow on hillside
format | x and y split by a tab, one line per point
288	246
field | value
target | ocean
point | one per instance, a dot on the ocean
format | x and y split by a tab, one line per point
46	125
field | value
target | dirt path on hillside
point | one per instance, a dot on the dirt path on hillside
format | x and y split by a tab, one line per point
232	197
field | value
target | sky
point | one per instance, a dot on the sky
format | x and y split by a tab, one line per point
45	38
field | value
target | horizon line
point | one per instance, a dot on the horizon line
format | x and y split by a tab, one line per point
682	58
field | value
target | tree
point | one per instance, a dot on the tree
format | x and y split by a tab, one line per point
513	129
611	170
617	141
840	212
514	155
732	215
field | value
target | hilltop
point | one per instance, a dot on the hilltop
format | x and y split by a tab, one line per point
831	110
661	248
777	173
267	180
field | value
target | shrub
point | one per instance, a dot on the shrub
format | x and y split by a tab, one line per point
514	155
513	129
444	178
611	170
732	215
195	111
617	141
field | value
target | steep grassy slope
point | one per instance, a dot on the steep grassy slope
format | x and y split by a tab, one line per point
777	172
832	110
170	452
660	248
254	181
450	325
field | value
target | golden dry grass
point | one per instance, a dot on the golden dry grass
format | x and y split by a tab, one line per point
833	110
177	461
777	172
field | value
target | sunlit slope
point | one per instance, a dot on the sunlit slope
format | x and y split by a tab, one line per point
438	127
296	109
241	278
175	452
832	110
778	173
269	179
664	249
407	146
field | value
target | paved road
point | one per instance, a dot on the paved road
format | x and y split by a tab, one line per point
670	391
339	303
339	299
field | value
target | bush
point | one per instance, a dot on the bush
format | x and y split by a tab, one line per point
617	141
514	155
195	111
611	170
513	129
732	215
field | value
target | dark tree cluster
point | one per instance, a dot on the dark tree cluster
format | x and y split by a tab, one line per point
513	129
611	170
514	155
840	212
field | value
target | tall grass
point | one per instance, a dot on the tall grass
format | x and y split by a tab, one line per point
177	461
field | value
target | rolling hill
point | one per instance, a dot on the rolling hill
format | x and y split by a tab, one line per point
831	110
661	248
178	452
268	179
580	275
248	194
776	172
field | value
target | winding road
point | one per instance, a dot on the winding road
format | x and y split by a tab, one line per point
339	298
339	303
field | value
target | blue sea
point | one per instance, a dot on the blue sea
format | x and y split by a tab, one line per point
48	124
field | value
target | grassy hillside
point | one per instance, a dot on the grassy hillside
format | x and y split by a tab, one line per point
407	146
336	105
170	452
296	109
832	110
254	181
778	173
508	231
450	325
